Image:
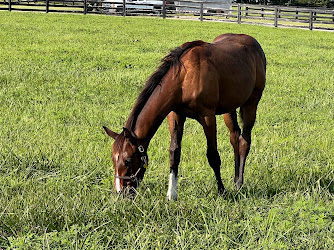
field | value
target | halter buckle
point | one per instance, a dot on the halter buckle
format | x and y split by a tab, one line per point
141	149
144	160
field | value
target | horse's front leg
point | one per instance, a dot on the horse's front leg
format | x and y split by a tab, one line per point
176	124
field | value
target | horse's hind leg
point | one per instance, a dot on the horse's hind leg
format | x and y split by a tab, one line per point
175	123
231	122
248	116
210	130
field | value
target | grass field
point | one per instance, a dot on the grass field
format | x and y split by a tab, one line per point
63	77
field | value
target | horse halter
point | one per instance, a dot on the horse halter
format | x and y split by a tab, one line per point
143	166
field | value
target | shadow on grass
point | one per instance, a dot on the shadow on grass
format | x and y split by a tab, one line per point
321	186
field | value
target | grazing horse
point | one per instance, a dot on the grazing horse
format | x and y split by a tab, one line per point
198	80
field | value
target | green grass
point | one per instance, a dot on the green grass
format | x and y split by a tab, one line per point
65	76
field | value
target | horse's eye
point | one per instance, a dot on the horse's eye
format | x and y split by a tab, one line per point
127	162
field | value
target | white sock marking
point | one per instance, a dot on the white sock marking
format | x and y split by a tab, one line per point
172	187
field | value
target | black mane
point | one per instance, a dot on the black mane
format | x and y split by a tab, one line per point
169	61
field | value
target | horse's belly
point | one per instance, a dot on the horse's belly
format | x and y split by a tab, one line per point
228	103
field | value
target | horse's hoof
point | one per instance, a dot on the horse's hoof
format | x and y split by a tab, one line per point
222	191
172	197
238	184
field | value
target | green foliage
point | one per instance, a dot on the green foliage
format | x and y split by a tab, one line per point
312	3
304	3
65	76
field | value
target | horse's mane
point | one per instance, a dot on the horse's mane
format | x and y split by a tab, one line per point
169	61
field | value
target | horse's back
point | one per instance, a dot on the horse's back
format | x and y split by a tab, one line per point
242	45
242	38
224	74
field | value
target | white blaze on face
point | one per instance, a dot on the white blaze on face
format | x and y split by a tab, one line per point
116	157
117	180
172	187
117	183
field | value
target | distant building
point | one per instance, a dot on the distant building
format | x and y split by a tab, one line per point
208	5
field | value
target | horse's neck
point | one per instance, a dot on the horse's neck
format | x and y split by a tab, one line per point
153	113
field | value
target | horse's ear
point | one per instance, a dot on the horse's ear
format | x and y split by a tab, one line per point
112	134
128	134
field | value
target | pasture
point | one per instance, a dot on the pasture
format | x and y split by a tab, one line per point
63	77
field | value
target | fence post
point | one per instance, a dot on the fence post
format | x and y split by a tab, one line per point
311	20
201	12
164	9
276	17
124	8
10	5
85	7
239	13
47	6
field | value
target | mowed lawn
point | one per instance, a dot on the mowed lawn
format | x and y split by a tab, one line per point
63	76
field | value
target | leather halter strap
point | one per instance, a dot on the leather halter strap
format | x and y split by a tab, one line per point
143	166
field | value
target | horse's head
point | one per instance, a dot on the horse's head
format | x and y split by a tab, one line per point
129	158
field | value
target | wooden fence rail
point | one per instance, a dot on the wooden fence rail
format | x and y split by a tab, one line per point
240	13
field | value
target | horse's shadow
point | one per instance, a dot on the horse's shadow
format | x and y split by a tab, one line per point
231	193
322	186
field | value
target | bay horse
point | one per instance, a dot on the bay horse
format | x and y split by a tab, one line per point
198	80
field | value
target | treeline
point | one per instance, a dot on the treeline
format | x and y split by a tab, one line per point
302	3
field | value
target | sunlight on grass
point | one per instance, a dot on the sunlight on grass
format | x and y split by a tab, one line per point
65	76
